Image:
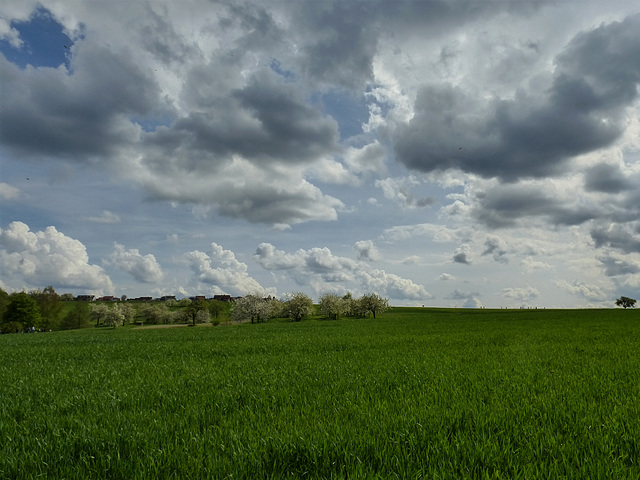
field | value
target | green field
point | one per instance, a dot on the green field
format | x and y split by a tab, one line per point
416	393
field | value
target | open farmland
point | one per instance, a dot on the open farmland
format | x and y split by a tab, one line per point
416	393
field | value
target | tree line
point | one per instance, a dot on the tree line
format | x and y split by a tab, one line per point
44	310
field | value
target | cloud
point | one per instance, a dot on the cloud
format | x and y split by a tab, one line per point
508	205
471	299
79	115
521	294
48	257
495	247
615	265
437	233
445	277
398	190
529	265
106	217
242	190
112	109
461	255
394	286
583	289
461	295
321	270
143	268
625	238
368	160
7	192
221	273
366	250
606	178
528	136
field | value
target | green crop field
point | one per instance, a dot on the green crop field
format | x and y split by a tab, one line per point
415	393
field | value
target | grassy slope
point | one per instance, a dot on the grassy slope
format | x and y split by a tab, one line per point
416	393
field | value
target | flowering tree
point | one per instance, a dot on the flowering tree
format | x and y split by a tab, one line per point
297	306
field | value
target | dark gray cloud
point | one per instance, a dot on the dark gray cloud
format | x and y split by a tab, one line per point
495	247
606	178
614	267
343	42
625	238
158	36
536	133
265	121
461	255
49	112
507	205
339	40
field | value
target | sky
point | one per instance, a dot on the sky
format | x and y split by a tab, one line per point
439	153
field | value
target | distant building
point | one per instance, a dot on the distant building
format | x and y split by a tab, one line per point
222	298
108	298
167	297
85	298
142	299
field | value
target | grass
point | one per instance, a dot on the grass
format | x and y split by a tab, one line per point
416	393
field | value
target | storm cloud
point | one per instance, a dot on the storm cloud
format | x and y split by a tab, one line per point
536	133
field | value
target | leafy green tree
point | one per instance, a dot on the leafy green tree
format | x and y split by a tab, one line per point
626	302
67	297
297	306
373	303
217	308
4	301
78	317
157	314
193	312
22	309
50	306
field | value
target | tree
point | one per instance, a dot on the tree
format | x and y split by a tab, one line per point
255	307
4	301
373	303
332	306
50	306
349	304
217	308
22	310
78	317
128	312
157	313
297	306
99	312
194	311
114	317
626	302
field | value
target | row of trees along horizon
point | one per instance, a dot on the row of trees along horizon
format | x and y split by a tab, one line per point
45	310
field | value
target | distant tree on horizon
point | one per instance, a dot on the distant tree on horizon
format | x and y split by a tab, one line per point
626	302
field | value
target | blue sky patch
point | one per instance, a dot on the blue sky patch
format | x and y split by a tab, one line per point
44	42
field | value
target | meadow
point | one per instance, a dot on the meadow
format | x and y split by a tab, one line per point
415	393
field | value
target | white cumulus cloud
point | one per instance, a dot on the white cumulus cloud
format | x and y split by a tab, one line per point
220	272
143	268
38	259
